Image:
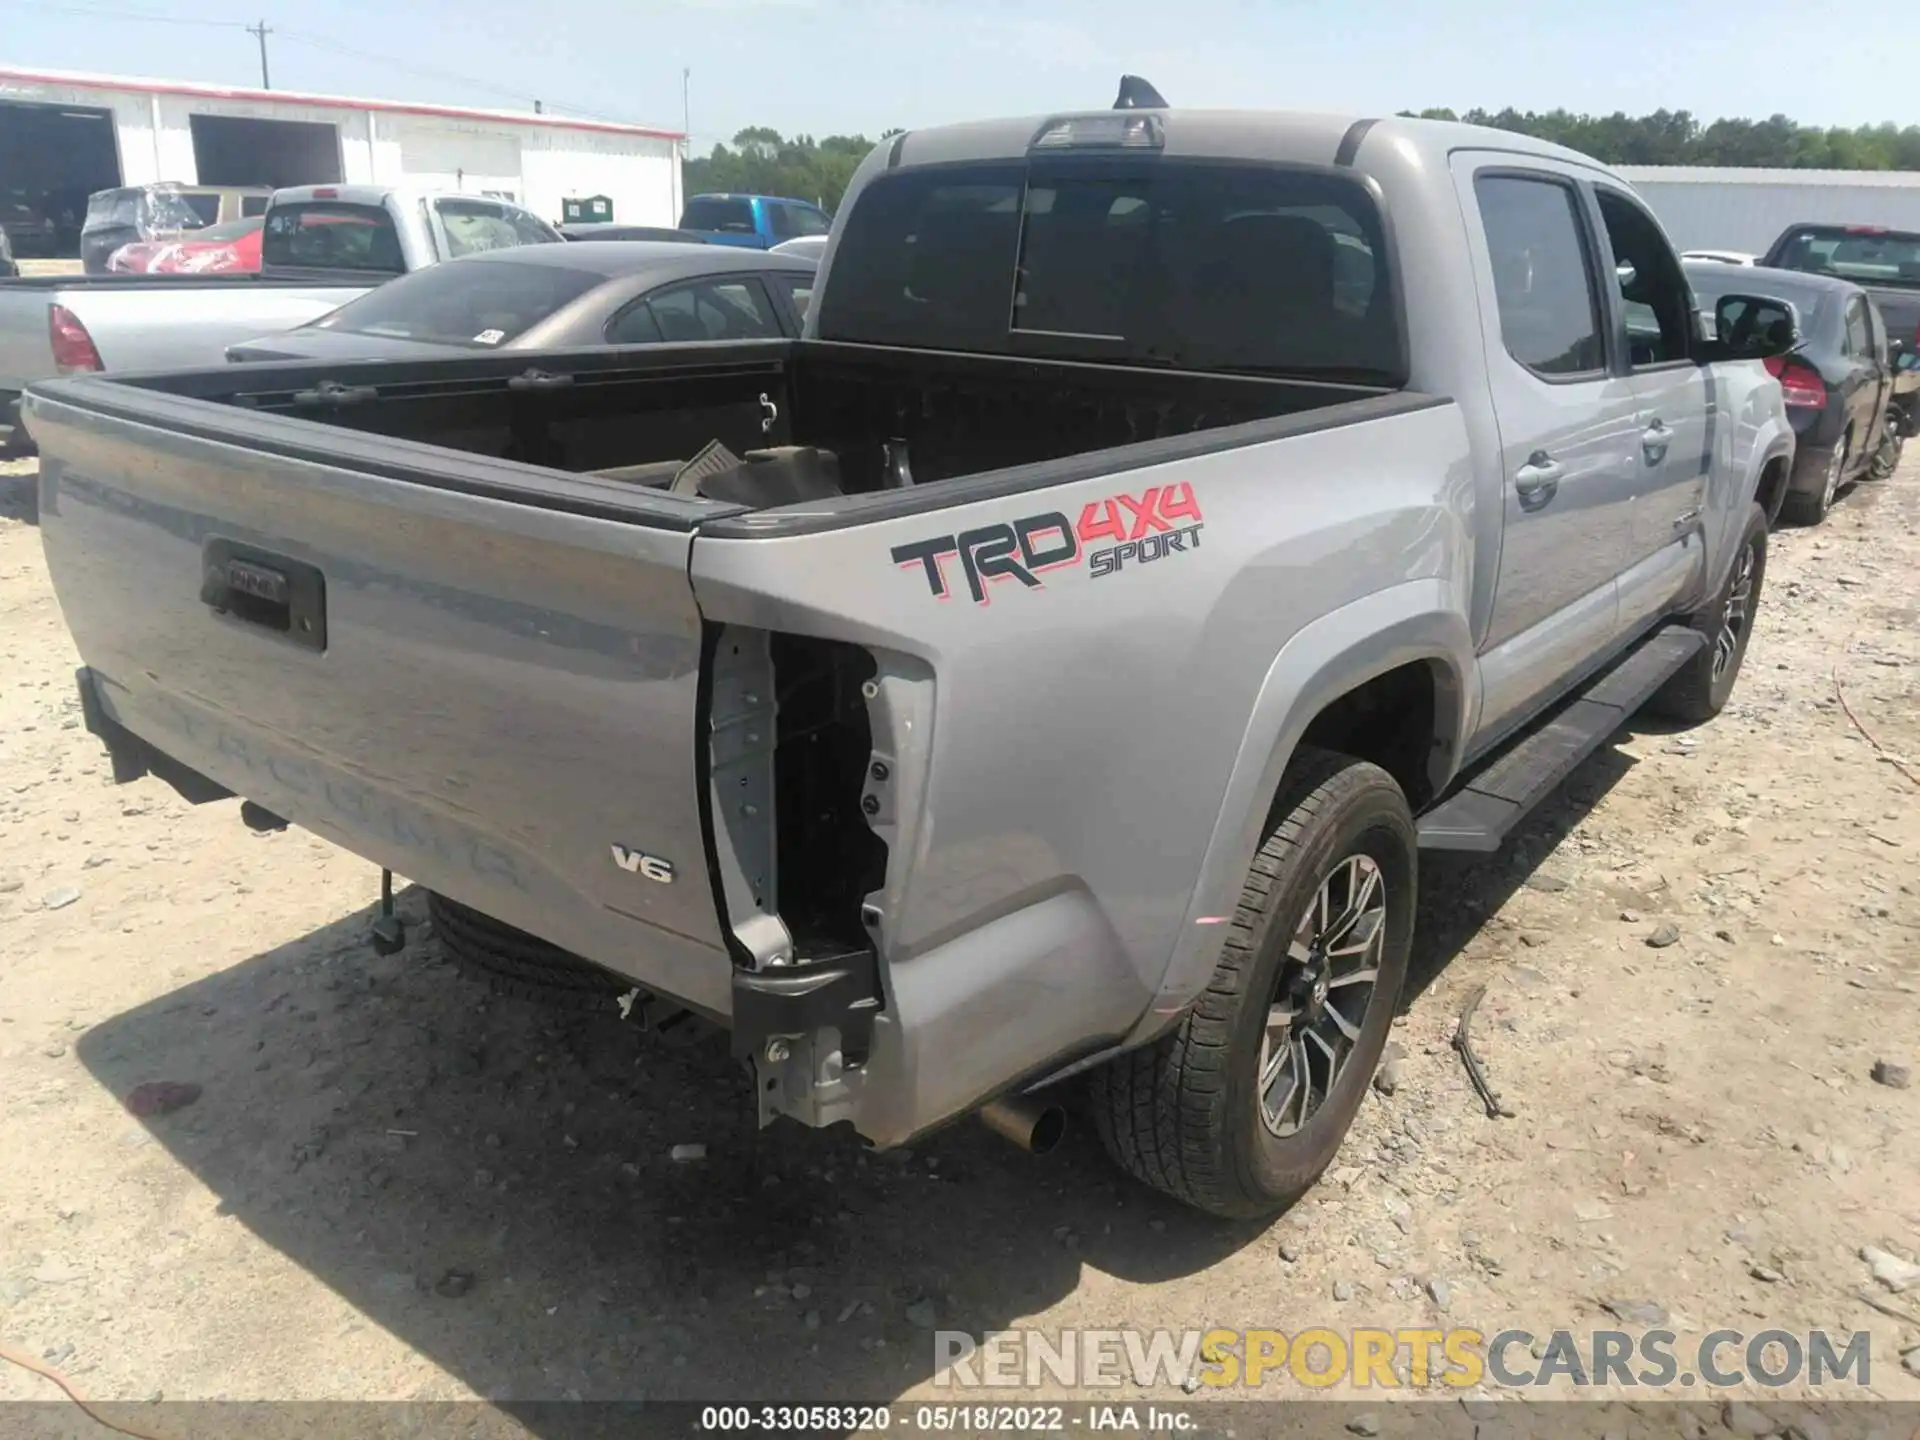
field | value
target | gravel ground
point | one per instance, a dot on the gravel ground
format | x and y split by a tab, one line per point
391	1185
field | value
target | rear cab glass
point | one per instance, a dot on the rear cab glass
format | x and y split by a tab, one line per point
472	226
331	235
718	212
1259	269
1864	255
457	304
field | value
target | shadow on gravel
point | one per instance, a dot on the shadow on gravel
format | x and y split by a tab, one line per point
19	491
491	1182
1459	893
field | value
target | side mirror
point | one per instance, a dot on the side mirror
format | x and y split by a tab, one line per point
1752	327
1625	274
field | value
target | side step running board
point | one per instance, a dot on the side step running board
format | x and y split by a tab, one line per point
1499	796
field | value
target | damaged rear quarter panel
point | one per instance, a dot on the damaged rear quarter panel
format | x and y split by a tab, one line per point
1079	723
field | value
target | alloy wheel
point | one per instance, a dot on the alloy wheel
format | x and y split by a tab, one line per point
1323	993
1733	624
1836	466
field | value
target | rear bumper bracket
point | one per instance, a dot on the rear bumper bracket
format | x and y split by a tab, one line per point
133	758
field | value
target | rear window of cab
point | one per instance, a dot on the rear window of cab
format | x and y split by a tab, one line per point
1193	265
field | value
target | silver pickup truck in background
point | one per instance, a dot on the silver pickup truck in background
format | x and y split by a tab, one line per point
321	246
1054	664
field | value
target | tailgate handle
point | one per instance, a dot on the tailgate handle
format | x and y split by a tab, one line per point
269	592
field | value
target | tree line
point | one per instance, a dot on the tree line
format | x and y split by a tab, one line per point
1676	137
765	162
761	161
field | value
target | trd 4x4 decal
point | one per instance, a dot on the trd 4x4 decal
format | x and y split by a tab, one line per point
1163	521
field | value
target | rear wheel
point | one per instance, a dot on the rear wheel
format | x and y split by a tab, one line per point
1700	688
1240	1108
516	963
1804	508
1886	459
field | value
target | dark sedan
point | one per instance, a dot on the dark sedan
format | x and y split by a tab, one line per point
1838	384
539	297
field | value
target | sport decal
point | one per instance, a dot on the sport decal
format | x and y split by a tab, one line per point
1111	536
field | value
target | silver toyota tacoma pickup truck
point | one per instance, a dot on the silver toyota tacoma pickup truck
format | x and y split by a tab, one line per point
1053	665
320	246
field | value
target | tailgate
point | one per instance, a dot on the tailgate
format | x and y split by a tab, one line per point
495	699
183	325
26	353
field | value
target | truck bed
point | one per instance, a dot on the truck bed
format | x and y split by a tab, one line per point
500	424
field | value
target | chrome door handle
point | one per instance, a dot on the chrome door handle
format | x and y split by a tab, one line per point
1539	477
1685	518
1655	439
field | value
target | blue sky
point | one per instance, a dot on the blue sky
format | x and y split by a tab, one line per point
827	66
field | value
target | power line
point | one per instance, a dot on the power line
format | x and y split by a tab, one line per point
319	42
97	12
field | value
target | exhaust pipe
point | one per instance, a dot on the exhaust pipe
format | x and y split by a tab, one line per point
1033	1126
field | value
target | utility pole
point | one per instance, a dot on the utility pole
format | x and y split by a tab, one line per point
260	33
686	107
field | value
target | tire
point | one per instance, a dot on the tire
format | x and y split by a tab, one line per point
1886	459
1185	1114
1699	690
516	963
1804	509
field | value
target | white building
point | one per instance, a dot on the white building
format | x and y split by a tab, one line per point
1709	207
63	136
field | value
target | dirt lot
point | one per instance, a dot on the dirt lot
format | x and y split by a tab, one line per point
394	1186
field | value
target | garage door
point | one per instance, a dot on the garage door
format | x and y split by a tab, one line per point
461	160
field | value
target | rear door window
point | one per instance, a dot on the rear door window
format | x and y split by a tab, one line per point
479	304
798	289
1253	268
205	206
331	235
806	220
721	308
780	220
1859	338
1542	282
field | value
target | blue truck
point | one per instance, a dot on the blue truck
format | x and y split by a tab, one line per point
758	222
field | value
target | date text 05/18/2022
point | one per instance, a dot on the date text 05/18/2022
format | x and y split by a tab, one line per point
1162	522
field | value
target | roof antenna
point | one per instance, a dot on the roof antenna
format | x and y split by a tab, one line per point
1137	94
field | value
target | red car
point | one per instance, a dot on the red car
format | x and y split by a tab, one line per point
229	249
